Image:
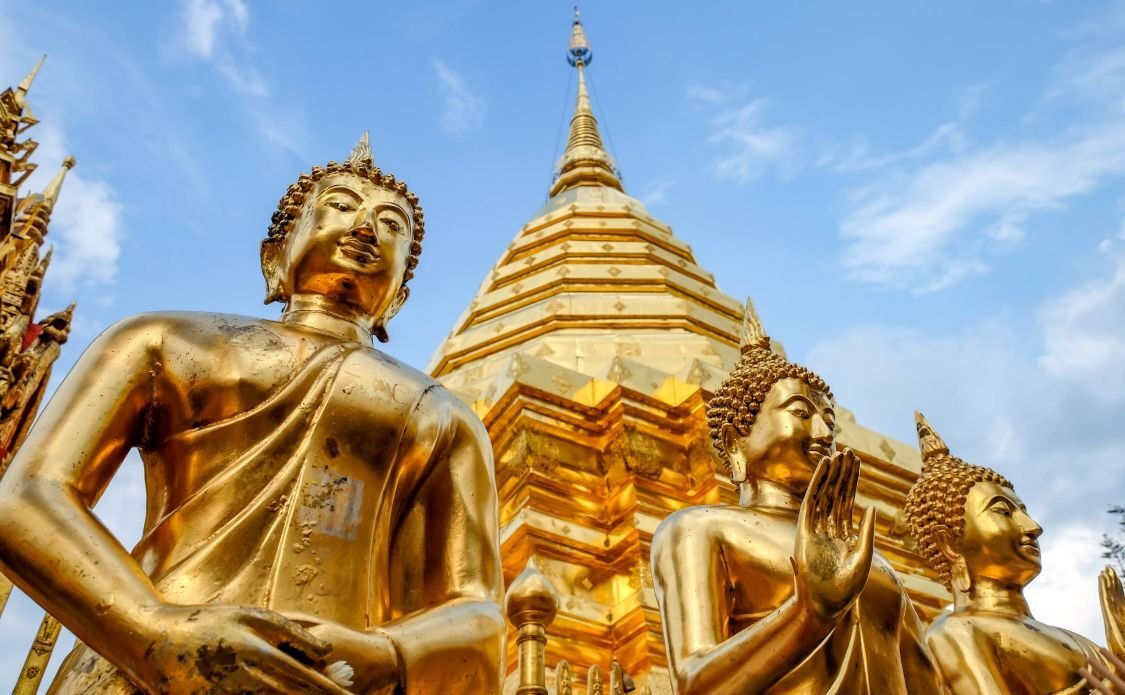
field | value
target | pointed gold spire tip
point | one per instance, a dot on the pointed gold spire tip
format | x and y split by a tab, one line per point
24	86
929	441
51	192
585	161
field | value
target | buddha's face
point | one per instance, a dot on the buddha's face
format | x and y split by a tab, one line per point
351	242
793	430
1000	541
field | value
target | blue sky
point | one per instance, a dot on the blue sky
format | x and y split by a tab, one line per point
927	201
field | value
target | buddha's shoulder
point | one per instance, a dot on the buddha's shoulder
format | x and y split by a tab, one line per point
162	325
430	395
707	524
961	627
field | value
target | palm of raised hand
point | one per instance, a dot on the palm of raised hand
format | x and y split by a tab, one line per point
1113	610
831	560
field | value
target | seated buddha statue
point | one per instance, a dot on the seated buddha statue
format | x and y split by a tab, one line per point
310	500
975	532
781	593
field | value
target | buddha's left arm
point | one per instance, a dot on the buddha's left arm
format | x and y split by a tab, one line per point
918	667
445	565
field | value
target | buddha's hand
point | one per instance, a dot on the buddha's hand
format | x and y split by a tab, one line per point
1113	610
232	649
830	560
370	653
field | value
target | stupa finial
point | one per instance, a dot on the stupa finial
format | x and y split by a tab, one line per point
585	161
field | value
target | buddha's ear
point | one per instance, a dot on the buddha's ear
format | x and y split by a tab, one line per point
272	252
379	330
730	436
946	543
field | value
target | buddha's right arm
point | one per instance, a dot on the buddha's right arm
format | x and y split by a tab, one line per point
51	544
692	587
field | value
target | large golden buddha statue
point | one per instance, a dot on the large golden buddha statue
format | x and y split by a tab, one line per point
976	533
310	500
780	593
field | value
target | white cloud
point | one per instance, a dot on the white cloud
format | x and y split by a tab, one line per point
217	31
938	212
1066	592
1084	333
657	192
858	157
205	19
463	109
749	147
87	225
925	231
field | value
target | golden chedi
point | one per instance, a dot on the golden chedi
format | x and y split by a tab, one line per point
781	593
976	533
319	516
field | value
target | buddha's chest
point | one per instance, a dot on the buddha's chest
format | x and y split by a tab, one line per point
760	571
1039	657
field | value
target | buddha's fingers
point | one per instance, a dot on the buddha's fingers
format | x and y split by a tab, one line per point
847	509
1117	663
831	495
1104	673
283	632
866	547
1095	683
808	515
293	677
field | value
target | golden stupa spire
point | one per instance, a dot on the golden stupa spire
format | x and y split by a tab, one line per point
51	192
22	89
35	212
585	162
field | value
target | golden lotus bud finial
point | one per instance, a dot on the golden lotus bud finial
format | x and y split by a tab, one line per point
753	334
532	598
361	153
931	444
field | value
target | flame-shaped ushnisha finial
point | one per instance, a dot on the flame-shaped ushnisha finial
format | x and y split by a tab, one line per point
931	444
753	334
361	153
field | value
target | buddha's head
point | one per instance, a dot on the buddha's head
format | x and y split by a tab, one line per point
969	522
349	232
771	419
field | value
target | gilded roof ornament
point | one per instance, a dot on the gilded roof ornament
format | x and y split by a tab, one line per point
22	89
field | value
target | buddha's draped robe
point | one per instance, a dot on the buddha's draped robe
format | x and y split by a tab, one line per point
720	569
980	651
353	492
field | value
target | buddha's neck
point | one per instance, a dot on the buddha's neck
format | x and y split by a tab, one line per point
761	493
994	597
327	315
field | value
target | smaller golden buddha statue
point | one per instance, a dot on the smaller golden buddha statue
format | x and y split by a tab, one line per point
975	532
782	593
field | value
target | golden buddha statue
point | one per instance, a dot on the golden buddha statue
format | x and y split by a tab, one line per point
310	500
975	532
780	593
